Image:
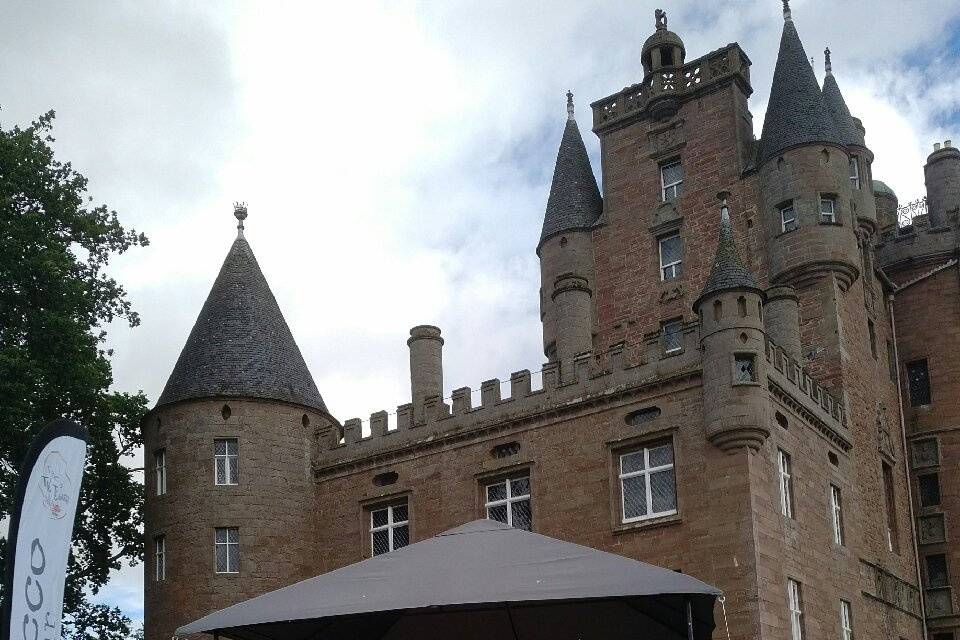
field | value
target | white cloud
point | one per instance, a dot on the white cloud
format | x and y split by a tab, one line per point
396	157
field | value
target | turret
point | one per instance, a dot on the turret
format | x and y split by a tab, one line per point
662	57
804	177
426	364
887	204
942	176
781	319
229	450
566	249
733	343
852	134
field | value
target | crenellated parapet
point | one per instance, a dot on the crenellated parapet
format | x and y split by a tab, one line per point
594	378
681	83
789	382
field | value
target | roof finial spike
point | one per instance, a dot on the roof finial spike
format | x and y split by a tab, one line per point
661	18
724	209
240	213
569	105
787	16
828	65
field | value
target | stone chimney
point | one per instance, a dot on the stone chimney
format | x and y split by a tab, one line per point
426	363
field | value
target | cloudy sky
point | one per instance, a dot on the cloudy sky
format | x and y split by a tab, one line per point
395	156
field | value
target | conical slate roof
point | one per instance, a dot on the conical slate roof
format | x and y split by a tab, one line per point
728	270
575	201
849	131
796	112
240	345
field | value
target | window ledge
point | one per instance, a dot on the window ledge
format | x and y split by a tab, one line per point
746	384
783	233
652	523
827	223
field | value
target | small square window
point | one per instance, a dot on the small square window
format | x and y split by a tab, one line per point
788	218
389	528
672	336
508	501
919	378
671	257
937	571
745	368
929	485
671	181
828	210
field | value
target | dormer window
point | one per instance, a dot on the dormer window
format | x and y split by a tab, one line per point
855	172
671	180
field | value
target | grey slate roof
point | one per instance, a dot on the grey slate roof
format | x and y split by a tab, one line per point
849	131
796	112
240	345
728	270
575	201
882	188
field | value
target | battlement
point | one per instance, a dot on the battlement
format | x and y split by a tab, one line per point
913	238
791	383
727	63
593	378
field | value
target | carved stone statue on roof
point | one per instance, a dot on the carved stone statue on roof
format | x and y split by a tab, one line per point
661	16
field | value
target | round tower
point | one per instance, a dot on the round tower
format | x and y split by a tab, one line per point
734	346
228	456
781	319
942	176
566	249
887	204
804	177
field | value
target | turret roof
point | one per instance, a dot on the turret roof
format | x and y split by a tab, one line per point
882	188
574	201
241	345
728	270
837	106
796	113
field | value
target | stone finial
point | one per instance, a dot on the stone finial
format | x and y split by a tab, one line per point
240	213
724	208
827	64
787	15
569	105
661	18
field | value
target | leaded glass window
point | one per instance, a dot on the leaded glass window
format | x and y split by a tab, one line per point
508	501
745	367
389	528
227	545
648	486
227	461
672	336
788	218
671	257
671	180
828	211
160	558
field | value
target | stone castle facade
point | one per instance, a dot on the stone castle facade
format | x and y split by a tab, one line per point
731	330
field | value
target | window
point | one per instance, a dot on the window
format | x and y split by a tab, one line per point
227	543
508	501
919	378
671	180
225	454
671	257
745	368
160	464
160	558
855	172
788	218
836	510
890	504
786	483
666	56
873	338
648	486
828	210
846	621
929	489
937	571
795	598
672	336
389	528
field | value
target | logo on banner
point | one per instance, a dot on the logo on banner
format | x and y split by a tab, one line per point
55	485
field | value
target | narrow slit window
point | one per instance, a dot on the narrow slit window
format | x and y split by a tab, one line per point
508	501
786	483
160	558
671	257
160	467
836	510
795	599
389	528
846	621
648	486
788	218
671	181
855	172
889	499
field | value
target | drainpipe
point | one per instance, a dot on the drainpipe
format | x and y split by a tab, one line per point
906	469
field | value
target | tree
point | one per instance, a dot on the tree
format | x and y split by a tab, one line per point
55	303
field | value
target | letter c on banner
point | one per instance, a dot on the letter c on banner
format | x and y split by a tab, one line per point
36	630
26	594
34	547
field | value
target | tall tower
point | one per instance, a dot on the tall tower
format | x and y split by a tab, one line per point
228	456
566	250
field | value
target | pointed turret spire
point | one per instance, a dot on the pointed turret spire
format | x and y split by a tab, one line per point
575	201
787	14
796	112
240	345
728	270
850	132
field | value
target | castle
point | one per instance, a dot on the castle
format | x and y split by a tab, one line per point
731	331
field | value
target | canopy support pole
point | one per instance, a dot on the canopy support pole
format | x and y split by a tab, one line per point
689	620
512	626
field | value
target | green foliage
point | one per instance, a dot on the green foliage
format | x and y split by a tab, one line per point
55	302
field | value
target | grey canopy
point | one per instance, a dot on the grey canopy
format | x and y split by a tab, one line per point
480	580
